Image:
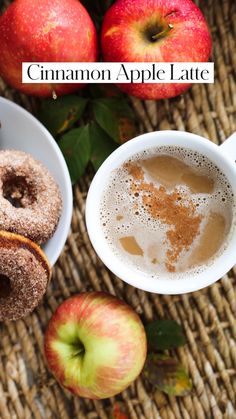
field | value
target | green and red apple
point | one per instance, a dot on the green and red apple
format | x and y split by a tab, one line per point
41	31
155	31
95	345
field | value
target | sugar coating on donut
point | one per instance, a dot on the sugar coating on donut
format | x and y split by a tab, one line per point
23	263
30	199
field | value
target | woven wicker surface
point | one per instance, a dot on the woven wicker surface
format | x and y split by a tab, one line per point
27	390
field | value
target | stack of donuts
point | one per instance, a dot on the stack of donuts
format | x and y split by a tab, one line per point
30	209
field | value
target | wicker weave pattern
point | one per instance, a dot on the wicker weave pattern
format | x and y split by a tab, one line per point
28	391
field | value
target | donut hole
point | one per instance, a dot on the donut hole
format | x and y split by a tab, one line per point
18	191
5	286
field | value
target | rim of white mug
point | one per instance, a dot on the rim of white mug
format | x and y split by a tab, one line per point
219	267
67	194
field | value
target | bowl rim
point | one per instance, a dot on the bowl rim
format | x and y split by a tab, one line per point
67	195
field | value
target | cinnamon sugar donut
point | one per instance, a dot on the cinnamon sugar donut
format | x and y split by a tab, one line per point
30	199
24	275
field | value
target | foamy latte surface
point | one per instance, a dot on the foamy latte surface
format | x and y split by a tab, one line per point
167	212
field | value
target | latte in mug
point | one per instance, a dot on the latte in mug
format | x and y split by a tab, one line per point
167	212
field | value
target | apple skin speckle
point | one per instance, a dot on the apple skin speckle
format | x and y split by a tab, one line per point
53	31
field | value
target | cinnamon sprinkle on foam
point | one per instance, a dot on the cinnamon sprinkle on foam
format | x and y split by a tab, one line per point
175	209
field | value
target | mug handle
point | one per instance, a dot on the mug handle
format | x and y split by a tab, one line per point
229	147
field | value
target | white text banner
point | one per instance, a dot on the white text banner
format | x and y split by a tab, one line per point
40	72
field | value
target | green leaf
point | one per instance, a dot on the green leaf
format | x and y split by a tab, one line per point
167	375
109	112
105	91
101	145
127	129
60	114
75	145
164	334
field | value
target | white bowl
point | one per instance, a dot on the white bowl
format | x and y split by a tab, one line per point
22	131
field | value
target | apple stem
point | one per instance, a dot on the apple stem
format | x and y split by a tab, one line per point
78	352
78	349
162	33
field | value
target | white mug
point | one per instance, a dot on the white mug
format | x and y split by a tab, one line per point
223	156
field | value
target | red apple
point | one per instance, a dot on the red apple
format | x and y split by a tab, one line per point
95	345
45	30
155	31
